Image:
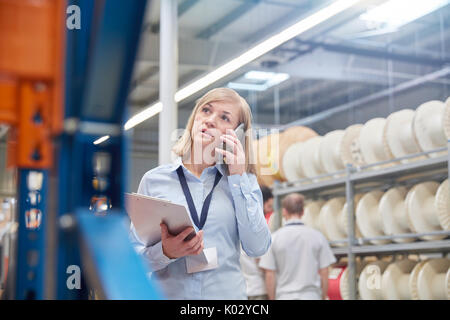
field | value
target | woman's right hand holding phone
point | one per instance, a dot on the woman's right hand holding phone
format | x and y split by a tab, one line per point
176	246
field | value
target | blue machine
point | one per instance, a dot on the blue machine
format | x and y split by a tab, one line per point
91	221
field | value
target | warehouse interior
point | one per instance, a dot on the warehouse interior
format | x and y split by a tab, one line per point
337	59
353	67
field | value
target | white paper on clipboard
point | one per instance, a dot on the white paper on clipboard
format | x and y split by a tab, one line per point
146	213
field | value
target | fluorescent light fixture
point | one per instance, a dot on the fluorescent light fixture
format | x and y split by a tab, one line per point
277	79
257	51
259	75
265	80
246	86
144	115
396	13
102	139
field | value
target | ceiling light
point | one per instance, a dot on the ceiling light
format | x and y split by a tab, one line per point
102	139
265	80
259	75
246	86
143	115
396	13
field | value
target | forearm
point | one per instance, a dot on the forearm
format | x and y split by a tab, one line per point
324	282
152	254
324	289
270	284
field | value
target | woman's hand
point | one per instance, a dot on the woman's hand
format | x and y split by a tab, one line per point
235	159
175	246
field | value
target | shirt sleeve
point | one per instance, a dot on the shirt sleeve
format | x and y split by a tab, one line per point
267	261
326	256
252	227
153	254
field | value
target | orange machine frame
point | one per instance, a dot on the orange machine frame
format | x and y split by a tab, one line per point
32	35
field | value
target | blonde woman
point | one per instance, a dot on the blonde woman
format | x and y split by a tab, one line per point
224	201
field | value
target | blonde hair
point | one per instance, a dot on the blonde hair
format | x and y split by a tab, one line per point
183	146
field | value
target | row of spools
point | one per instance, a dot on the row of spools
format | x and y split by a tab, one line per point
403	279
424	208
299	152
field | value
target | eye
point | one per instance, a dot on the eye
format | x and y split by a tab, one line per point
205	109
224	117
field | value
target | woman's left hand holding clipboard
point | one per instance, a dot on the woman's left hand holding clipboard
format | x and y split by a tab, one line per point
176	246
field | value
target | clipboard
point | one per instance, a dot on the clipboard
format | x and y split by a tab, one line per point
146	213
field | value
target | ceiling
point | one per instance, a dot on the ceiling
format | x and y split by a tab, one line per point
339	74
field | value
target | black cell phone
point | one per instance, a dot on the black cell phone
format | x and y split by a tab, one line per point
240	135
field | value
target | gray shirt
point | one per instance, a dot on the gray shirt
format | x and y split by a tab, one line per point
297	253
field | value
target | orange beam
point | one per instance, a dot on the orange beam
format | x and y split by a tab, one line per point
8	101
32	35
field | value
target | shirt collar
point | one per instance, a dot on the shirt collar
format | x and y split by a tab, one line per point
293	220
177	163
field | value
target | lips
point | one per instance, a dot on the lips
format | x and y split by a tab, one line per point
207	134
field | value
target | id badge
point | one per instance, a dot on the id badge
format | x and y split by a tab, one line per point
197	264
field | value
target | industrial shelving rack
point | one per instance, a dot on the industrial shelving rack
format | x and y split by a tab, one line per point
361	179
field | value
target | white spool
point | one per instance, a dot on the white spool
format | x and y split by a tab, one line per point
369	284
343	218
309	159
311	214
371	140
343	283
350	147
428	126
392	208
446	119
291	159
395	280
368	217
327	216
329	151
442	204
399	137
421	209
430	280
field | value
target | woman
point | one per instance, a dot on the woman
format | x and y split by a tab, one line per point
235	214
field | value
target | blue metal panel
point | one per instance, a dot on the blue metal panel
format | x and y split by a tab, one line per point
118	269
31	235
112	59
77	51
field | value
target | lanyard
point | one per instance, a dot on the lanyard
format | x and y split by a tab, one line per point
294	224
190	202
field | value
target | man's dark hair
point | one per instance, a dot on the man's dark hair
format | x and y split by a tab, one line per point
266	193
293	203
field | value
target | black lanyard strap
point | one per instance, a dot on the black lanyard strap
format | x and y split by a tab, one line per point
190	202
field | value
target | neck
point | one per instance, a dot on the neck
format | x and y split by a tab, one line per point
195	168
293	216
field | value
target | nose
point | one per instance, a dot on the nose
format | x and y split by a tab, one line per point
211	121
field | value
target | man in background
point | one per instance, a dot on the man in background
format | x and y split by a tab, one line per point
254	275
296	265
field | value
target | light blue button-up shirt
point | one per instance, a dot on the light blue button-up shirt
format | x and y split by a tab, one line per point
235	218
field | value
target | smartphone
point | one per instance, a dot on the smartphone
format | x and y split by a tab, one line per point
240	135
